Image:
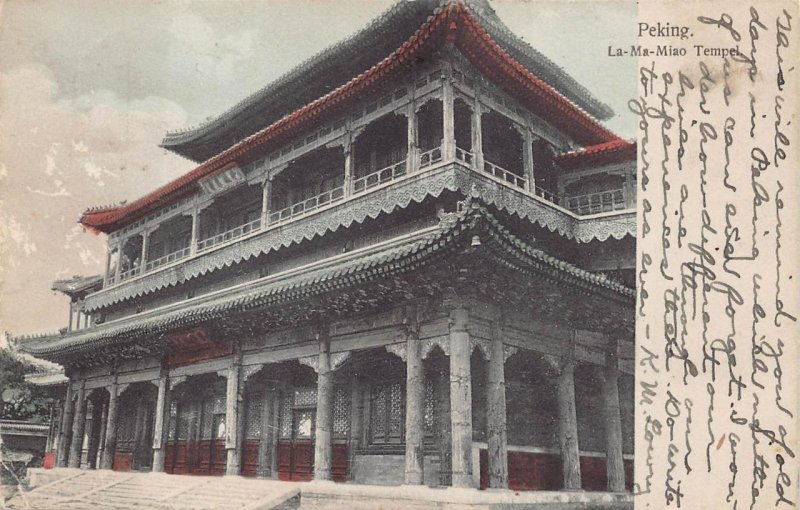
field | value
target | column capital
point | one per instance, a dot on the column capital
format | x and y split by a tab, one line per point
459	319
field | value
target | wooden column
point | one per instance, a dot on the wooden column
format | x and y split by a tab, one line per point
496	435
233	406
78	425
415	404
265	439
615	467
145	243
442	419
65	433
266	196
349	162
103	424
527	159
412	156
323	447
276	432
195	230
477	132
568	426
161	418
356	421
89	437
448	117
107	460
460	399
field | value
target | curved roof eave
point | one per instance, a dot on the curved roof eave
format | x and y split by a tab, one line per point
199	142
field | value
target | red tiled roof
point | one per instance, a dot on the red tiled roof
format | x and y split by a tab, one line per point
453	23
614	151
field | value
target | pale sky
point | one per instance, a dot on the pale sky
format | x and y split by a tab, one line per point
88	89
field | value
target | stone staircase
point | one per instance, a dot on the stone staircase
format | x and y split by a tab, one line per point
83	490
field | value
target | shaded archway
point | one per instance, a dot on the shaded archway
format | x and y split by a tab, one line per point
307	183
430	129
130	263
196	435
380	151
169	242
135	420
96	417
502	148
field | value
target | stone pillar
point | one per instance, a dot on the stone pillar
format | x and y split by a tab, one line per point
496	413
415	406
448	118
78	426
161	418
323	446
460	399
412	156
568	426
65	433
103	424
107	461
233	405
477	132
615	467
527	159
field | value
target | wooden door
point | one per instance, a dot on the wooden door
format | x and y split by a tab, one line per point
296	454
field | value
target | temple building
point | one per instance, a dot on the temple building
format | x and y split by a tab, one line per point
409	260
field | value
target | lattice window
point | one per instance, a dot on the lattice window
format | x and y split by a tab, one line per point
341	410
429	405
173	420
207	419
219	403
387	416
286	415
126	428
305	397
254	409
184	418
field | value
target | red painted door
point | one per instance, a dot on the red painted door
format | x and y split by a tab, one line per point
296	455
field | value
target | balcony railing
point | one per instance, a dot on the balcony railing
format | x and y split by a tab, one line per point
430	157
130	273
464	155
306	206
504	175
600	201
167	259
229	235
592	203
383	175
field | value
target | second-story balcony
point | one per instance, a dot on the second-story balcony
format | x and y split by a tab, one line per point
386	152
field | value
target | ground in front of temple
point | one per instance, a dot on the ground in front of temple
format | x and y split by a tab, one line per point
86	489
